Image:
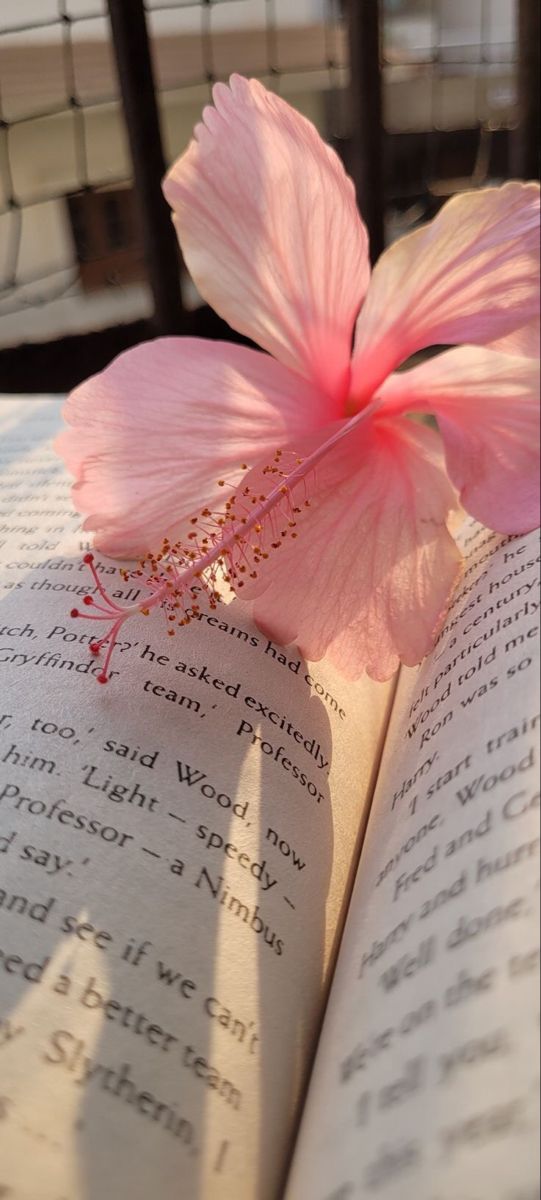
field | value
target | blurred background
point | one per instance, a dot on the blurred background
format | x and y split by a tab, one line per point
421	98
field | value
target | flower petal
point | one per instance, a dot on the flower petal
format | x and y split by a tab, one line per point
488	413
269	229
470	275
369	577
523	341
152	434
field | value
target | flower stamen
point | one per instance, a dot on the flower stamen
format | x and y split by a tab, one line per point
219	548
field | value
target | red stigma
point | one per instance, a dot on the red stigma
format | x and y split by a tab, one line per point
102	678
75	612
88	600
88	558
94	647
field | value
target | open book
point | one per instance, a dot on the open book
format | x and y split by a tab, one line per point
262	933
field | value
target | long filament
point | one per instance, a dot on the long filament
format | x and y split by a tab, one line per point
175	569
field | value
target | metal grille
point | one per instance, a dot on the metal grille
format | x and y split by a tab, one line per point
46	103
62	132
448	75
450	88
421	98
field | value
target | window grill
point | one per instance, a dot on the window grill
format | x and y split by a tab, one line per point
421	97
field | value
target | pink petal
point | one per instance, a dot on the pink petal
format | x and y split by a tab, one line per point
153	433
488	413
368	579
523	341
471	275
269	229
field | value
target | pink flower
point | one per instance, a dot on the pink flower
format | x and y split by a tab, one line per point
270	232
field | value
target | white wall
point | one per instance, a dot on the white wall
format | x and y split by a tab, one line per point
226	14
458	28
460	20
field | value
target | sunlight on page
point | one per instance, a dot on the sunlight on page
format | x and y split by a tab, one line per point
31	1091
225	983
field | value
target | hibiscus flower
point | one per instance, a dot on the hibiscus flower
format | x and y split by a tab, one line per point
341	541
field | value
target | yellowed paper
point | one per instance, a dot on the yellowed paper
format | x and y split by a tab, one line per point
426	1079
175	850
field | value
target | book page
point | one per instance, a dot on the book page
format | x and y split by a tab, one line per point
175	850
426	1078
